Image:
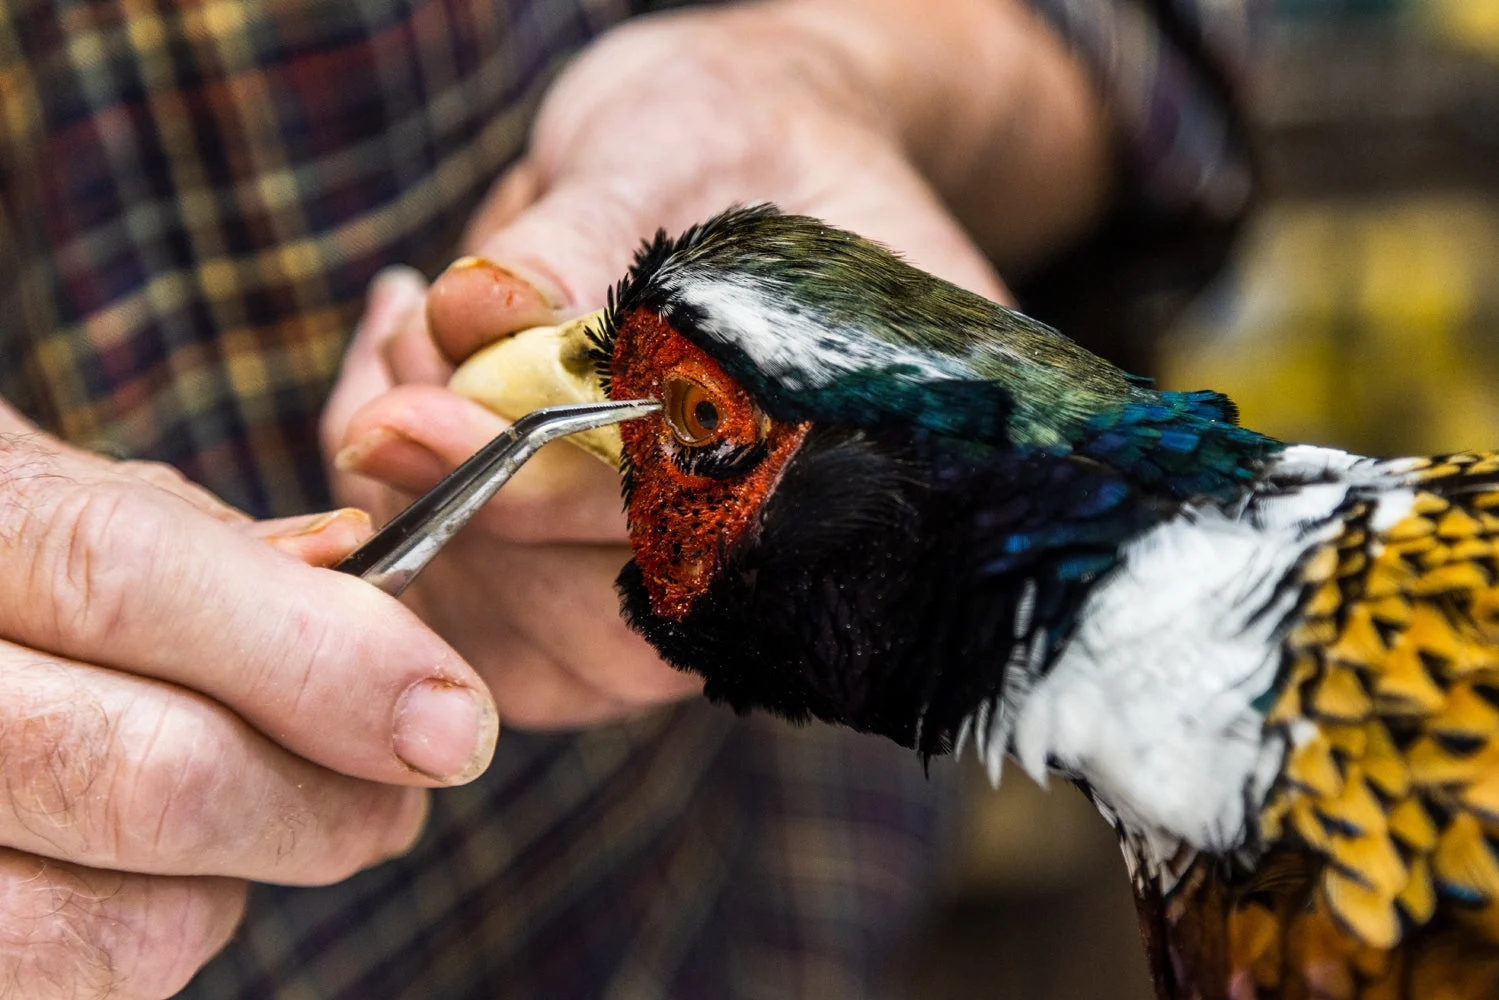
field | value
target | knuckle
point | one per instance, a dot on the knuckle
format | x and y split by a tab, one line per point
161	932
159	786
29	475
90	548
173	481
69	932
184	802
55	751
168	798
144	785
49	928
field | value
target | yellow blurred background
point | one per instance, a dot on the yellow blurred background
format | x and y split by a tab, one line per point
1362	311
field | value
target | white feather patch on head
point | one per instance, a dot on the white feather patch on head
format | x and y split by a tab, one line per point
799	350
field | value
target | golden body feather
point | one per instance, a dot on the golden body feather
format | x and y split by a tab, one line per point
1378	876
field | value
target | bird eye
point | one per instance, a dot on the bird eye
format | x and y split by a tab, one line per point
690	413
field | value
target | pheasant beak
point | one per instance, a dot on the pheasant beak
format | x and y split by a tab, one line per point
542	366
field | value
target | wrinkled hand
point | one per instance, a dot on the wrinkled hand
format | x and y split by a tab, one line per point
184	707
663	123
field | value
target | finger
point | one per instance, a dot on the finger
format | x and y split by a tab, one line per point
578	239
534	690
557	257
586	635
396	293
221	613
569	658
171	480
316	539
542	695
412	358
360	493
922	230
118	772
107	934
414	435
477	301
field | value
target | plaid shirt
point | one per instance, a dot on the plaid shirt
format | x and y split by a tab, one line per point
193	197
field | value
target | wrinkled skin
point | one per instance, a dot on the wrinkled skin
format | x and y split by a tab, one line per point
166	736
655	128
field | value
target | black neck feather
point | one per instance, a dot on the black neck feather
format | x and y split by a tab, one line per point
892	576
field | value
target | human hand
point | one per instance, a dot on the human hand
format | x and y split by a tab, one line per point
663	123
184	707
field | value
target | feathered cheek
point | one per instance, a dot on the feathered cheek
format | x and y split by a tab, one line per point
697	473
684	525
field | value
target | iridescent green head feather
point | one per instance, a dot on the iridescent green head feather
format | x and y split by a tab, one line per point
823	326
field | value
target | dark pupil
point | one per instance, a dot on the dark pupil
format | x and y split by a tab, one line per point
706	414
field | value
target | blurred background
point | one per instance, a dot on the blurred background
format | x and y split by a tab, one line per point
1362	311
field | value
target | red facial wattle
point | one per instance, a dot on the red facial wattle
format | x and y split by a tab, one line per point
683	524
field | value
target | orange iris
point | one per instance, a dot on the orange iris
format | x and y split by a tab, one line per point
691	413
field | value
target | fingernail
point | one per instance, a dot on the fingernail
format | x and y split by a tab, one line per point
295	528
310	527
351	456
546	287
444	731
393	280
393	293
358	519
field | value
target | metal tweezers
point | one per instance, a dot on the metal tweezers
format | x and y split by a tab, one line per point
401	549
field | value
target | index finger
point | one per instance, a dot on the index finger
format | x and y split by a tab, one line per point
324	664
395	292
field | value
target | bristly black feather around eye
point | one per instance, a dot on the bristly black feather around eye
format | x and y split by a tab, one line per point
601	338
637	287
623	296
719	463
626	477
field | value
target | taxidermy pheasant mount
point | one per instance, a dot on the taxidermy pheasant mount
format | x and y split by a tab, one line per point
877	500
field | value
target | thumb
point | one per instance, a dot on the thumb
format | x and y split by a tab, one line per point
554	259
